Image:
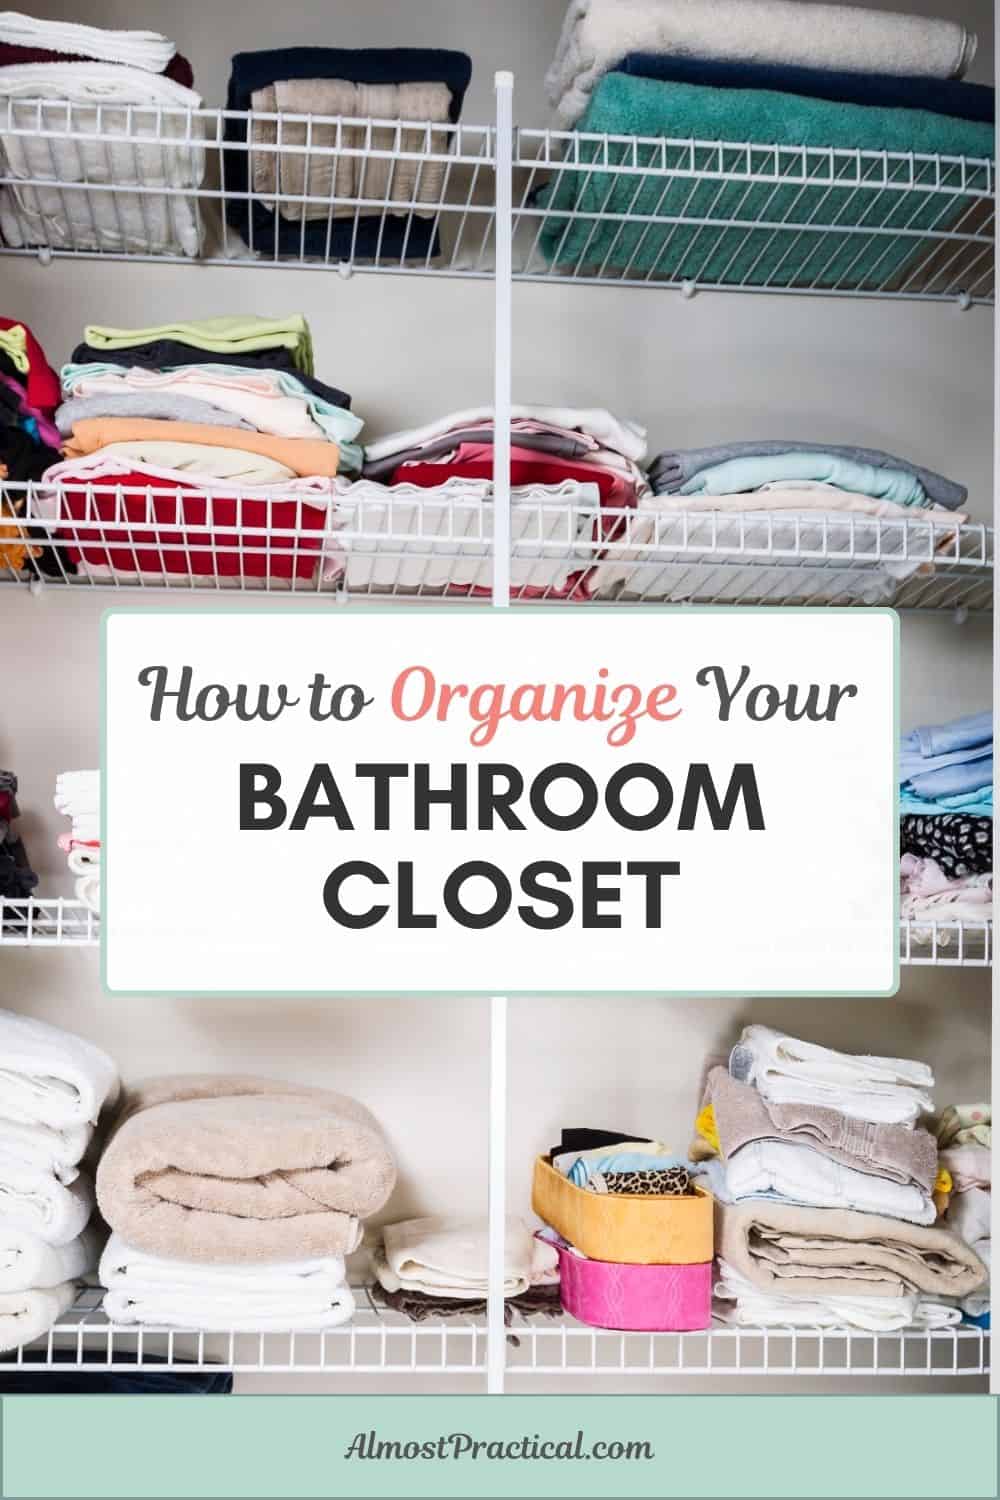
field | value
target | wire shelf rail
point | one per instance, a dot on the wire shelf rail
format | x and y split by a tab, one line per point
411	544
381	1341
317	191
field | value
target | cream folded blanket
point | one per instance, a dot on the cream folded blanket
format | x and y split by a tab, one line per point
449	1257
36	1202
290	1296
52	1077
225	1170
27	1262
323	171
885	1090
834	1252
739	1302
597	34
26	1316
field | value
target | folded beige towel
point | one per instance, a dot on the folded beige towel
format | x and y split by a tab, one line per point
831	1252
229	1169
322	170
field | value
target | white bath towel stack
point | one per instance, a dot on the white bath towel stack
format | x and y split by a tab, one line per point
78	796
53	1087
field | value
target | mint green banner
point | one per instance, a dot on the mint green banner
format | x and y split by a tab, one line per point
579	1446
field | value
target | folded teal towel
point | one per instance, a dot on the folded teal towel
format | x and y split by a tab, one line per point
719	253
739	475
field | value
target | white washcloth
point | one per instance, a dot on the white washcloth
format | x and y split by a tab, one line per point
58	1152
288	1296
136	49
449	1257
37	1203
127	128
752	1308
804	1175
597	34
25	1316
969	1215
885	1090
627	438
51	1077
27	1261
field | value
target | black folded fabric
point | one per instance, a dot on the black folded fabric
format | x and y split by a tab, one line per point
584	1139
962	101
389	238
960	844
167	354
8	367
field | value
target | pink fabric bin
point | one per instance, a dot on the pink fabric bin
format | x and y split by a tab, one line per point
637	1299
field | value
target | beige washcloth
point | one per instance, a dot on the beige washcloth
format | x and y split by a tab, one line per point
311	160
812	1252
229	1169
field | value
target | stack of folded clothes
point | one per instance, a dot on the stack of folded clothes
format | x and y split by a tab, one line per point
774	73
53	1087
206	448
115	108
965	1137
565	463
438	1267
632	1226
946	822
17	878
809	499
29	440
826	1189
310	187
78	797
233	1202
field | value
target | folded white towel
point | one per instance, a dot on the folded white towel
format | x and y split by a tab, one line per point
51	1077
25	1316
44	1149
885	1090
627	438
740	1303
597	34
287	1296
136	49
78	793
449	1257
39	1204
27	1262
807	1176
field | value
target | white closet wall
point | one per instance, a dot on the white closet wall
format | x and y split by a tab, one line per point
910	377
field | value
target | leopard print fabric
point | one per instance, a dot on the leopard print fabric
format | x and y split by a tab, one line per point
668	1182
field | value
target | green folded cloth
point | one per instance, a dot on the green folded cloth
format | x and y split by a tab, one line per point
724	253
224	335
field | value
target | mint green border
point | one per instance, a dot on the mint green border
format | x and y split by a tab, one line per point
686	612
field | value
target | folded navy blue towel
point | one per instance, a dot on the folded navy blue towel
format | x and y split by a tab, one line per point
963	101
371	235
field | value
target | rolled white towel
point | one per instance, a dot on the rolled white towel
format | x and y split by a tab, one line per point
27	1262
26	1316
44	1149
286	1296
38	1203
52	1077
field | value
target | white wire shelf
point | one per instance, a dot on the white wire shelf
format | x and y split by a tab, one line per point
64	923
409	545
318	191
380	1341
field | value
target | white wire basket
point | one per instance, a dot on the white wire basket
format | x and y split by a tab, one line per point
318	191
380	1341
410	545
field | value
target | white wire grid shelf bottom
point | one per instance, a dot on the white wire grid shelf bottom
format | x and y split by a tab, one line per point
62	923
380	1341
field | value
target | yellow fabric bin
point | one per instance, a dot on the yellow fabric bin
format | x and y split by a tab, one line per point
635	1231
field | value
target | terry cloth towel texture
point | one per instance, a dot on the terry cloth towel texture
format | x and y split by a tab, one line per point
51	1077
963	101
855	39
419	1306
743	1115
449	1257
129	129
739	1302
724	254
223	1169
885	1090
292	1297
25	1316
809	1252
369	235
27	1261
38	1203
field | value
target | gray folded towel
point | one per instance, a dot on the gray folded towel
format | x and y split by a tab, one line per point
161	405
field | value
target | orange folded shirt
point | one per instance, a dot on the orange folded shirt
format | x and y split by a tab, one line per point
306	456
